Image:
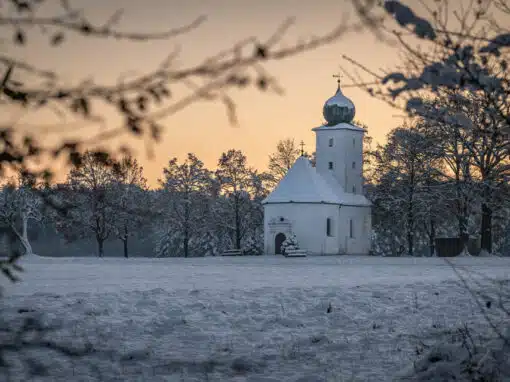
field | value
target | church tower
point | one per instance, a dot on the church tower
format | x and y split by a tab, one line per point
323	208
339	144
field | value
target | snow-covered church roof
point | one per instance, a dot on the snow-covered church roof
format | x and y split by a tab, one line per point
303	184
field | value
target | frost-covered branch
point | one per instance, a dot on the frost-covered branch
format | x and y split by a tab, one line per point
459	50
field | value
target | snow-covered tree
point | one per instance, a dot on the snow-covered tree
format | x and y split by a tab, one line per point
452	139
468	55
488	145
184	204
20	204
90	195
475	150
253	238
405	168
129	200
237	183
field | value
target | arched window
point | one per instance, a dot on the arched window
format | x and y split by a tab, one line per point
330	165
329	227
331	142
351	228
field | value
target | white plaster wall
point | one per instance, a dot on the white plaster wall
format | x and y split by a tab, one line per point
361	217
347	148
308	224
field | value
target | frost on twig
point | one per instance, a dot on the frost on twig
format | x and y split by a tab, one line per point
466	50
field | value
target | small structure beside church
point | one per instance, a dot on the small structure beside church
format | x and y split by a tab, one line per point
324	206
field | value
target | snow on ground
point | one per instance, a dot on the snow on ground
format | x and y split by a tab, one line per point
245	319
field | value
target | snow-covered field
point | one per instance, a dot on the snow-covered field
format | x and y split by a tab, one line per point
245	319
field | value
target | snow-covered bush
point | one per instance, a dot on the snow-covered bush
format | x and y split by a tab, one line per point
290	243
476	352
386	243
253	245
462	359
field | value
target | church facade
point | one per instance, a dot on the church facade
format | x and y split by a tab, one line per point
323	207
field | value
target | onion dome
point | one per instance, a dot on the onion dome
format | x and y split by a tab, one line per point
338	109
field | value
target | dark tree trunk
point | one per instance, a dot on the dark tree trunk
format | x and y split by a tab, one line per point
486	223
486	228
462	216
410	243
125	242
464	235
462	203
432	237
186	242
410	222
101	236
100	246
187	220
238	226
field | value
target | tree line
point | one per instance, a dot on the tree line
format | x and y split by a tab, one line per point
443	174
194	211
430	179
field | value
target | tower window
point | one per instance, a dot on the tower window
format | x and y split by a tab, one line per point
330	142
351	228
353	142
353	165
330	165
353	189
329	227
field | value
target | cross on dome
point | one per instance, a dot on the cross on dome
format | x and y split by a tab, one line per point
302	144
338	76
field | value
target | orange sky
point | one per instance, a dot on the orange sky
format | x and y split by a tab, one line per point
264	118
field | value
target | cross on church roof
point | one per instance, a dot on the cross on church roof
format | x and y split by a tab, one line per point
337	76
302	144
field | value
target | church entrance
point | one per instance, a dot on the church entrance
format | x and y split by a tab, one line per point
278	241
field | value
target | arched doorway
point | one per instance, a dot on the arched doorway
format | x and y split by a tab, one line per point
278	240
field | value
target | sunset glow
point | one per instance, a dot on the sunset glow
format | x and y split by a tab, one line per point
264	118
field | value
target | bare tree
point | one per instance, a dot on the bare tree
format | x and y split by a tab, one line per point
282	159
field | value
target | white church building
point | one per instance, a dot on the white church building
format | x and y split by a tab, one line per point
324	206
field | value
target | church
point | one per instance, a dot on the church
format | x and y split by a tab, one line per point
323	207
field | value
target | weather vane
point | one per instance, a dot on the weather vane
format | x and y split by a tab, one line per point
302	144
